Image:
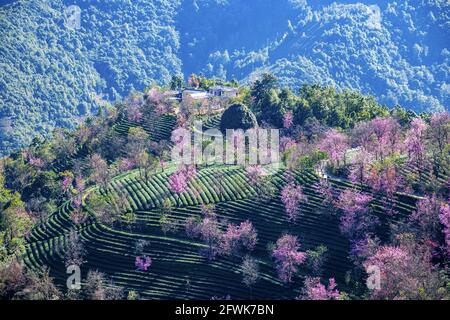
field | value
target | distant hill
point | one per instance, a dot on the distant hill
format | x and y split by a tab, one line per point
398	52
51	76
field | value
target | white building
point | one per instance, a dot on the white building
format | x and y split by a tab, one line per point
222	91
196	95
214	100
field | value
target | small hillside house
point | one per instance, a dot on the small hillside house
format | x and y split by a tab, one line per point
209	101
195	94
224	92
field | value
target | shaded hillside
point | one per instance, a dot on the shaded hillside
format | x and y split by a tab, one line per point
395	51
51	75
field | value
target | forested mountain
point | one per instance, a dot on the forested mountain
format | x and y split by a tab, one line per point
396	51
51	76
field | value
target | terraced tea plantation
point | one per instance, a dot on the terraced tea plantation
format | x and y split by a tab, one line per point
159	128
178	269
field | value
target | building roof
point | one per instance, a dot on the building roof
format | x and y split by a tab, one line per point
198	94
223	88
193	90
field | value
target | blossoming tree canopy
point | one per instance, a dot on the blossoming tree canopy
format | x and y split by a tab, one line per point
288	257
143	263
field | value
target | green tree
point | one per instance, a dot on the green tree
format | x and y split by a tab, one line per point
266	101
176	82
237	116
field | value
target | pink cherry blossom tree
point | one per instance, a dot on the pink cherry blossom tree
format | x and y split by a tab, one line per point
67	184
392	263
415	143
380	136
142	263
428	216
75	193
99	170
359	171
384	178
78	215
238	237
126	164
406	271
324	188
162	108
444	218
250	272
154	96
80	187
179	180
296	151
287	143
335	144
74	251
288	257
254	174
208	229
37	162
291	196
355	218
192	227
315	290
134	114
133	108
361	249
211	234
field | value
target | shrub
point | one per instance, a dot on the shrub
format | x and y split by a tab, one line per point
237	116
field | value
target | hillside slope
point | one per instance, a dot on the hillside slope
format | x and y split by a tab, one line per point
52	75
356	186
